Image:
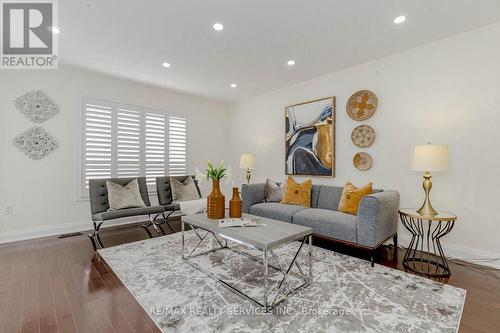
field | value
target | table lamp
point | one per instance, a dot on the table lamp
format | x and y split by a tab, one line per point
429	158
247	162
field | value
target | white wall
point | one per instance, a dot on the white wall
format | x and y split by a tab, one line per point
43	192
445	92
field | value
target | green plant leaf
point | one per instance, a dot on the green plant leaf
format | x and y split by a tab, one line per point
216	173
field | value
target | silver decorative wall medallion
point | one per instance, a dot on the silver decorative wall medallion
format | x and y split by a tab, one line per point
36	143
37	106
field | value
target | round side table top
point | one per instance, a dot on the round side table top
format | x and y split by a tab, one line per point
441	216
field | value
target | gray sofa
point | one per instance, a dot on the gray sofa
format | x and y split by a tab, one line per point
376	221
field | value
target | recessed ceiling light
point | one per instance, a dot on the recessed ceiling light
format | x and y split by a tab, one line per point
290	62
233	85
400	19
166	65
54	30
218	26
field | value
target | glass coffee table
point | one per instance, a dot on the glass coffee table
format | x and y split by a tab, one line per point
265	239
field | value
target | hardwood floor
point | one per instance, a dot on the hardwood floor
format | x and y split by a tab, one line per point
57	285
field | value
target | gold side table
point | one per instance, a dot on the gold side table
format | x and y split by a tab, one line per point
426	234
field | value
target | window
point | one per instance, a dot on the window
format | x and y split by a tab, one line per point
130	141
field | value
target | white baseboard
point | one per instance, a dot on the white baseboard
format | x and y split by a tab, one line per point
41	232
464	253
53	230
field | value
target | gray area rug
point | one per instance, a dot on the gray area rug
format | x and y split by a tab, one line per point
347	295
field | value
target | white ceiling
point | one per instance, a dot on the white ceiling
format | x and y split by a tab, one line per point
133	38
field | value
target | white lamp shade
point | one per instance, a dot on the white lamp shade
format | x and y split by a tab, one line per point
430	157
247	161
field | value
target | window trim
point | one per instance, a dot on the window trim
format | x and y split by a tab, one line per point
81	191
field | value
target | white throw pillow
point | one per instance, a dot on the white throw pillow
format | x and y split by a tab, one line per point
128	196
193	206
183	191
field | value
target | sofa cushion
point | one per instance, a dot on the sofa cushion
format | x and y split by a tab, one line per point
328	223
329	197
276	211
314	195
127	212
172	207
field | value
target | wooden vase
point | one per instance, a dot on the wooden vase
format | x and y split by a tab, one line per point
235	204
216	202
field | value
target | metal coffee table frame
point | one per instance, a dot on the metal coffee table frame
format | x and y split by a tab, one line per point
265	304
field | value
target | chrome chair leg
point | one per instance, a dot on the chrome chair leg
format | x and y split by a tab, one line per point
91	237
95	237
145	227
165	220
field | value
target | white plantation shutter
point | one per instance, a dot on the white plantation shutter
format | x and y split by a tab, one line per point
129	141
97	148
155	164
177	145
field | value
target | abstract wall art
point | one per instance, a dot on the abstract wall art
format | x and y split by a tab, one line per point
37	106
310	138
36	143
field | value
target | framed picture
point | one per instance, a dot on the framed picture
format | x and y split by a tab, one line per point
310	138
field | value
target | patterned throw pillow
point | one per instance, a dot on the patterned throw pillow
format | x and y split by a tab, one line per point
121	197
297	194
183	191
273	191
351	197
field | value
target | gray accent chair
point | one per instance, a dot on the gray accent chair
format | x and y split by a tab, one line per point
375	223
99	206
164	192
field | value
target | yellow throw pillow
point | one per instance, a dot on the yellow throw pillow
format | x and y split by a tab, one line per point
297	194
351	197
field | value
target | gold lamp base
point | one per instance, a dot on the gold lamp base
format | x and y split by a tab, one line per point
248	175
427	209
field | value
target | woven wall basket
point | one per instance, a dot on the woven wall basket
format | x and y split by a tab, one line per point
363	136
362	161
362	105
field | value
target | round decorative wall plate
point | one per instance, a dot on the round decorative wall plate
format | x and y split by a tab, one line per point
363	136
362	105
362	161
